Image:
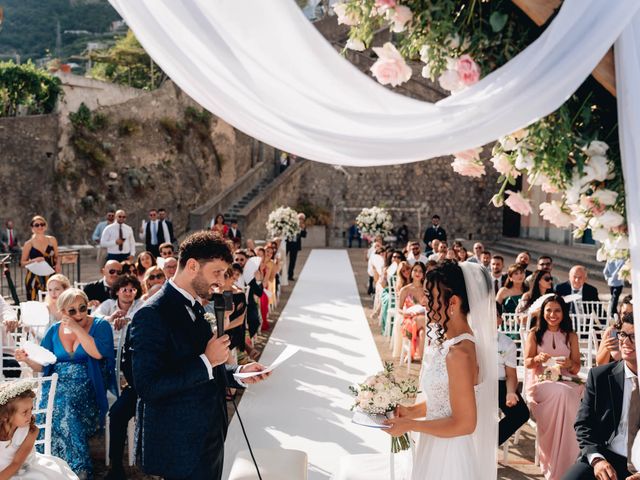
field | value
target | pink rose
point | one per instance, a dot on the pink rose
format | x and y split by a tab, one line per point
468	168
555	214
518	203
468	70
385	4
401	17
450	80
345	17
591	205
503	165
390	68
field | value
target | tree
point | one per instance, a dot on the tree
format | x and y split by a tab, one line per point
27	86
127	63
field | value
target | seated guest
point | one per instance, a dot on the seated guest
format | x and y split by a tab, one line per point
509	295
609	349
577	284
128	268
169	267
462	255
545	262
541	284
144	261
478	248
554	403
9	324
413	325
166	250
85	366
154	278
415	255
604	418
485	259
524	258
100	290
56	284
441	254
511	404
497	277
119	310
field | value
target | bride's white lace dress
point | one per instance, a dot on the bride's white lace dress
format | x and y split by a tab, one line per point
451	458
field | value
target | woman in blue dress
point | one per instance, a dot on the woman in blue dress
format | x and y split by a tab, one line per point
85	366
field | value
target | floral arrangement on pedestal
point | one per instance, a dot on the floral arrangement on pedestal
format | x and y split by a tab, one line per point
283	222
457	41
382	393
374	221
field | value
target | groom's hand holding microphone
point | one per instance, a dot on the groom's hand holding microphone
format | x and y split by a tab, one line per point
217	350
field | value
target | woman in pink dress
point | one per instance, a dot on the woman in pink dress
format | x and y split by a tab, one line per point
413	325
554	402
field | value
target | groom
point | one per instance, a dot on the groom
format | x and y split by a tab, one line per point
179	369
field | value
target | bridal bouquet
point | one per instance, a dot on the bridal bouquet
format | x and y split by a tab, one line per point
382	393
374	221
283	222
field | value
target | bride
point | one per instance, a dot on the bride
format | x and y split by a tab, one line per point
458	422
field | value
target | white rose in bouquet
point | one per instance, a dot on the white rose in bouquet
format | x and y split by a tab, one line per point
283	222
374	221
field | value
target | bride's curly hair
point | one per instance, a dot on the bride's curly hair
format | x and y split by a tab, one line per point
445	280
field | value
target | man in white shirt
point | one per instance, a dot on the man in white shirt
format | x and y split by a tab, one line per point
118	239
478	248
609	415
415	255
97	234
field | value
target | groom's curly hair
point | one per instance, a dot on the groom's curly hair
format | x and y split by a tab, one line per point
441	283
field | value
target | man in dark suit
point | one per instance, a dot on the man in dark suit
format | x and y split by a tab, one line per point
435	231
294	246
609	415
154	232
179	369
234	234
577	284
162	217
497	277
100	290
9	239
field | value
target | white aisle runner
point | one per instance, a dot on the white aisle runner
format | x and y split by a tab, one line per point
304	405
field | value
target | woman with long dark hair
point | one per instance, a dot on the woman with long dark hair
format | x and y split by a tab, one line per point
413	324
551	353
509	296
541	284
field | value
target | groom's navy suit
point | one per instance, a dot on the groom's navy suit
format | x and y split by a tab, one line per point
182	416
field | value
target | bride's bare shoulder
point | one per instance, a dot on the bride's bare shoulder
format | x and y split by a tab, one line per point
462	354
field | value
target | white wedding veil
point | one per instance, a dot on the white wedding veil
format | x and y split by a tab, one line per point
482	319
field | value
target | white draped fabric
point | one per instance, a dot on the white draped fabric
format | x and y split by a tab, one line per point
261	66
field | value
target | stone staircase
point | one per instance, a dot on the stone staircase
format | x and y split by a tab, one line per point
234	210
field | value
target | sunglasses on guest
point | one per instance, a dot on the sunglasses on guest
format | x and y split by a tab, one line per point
156	277
114	272
547	279
72	311
38	225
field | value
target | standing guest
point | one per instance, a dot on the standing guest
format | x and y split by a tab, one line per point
170	266
611	274
370	256
605	419
154	233
497	277
524	258
179	371
270	277
144	261
478	248
609	350
56	284
511	403
255	292
10	240
166	250
577	284
284	161
294	246
354	234
118	239
8	325
415	255
83	346
153	280
554	404
485	259
39	248
402	234
234	234
102	289
509	295
435	231
219	226
97	234
162	217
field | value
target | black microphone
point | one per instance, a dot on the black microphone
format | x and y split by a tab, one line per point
222	302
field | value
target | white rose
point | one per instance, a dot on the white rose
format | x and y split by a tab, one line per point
596	148
555	214
597	168
355	44
605	196
610	219
508	143
600	234
524	161
452	41
424	53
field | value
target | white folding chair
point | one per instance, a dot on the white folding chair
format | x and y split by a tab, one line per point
79	285
131	427
392	307
44	414
600	308
42	295
34	316
10	341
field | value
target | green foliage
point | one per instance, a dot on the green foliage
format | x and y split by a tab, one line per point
30	26
86	139
127	63
27	86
